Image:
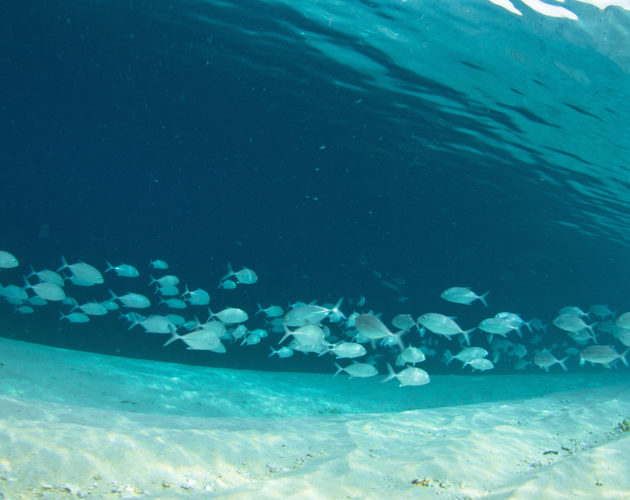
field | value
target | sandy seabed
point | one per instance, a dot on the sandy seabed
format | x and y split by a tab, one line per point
80	425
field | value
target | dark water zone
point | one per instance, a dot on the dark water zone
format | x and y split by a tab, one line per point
208	132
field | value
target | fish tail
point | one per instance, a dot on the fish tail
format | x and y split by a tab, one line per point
623	357
64	264
336	309
561	363
448	356
229	273
466	335
109	266
392	374
339	369
260	309
482	298
399	341
273	351
287	332
174	336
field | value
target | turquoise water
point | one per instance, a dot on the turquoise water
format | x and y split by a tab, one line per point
377	150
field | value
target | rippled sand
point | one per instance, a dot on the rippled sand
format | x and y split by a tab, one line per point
81	425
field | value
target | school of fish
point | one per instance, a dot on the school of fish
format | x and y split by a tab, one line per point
359	338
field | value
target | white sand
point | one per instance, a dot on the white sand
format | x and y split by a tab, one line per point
81	425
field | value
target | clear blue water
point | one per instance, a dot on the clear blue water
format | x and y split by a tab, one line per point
330	146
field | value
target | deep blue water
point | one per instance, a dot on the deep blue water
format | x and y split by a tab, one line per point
317	144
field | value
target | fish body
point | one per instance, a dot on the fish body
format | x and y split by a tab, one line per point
174	303
544	359
196	297
602	355
571	323
404	321
357	370
84	274
92	309
411	355
75	317
481	364
271	311
373	328
230	315
623	321
573	311
601	311
408	376
163	281
463	295
245	276
132	300
466	355
158	264
283	352
349	350
307	335
46	290
497	326
302	314
8	260
47	275
443	325
124	270
154	324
